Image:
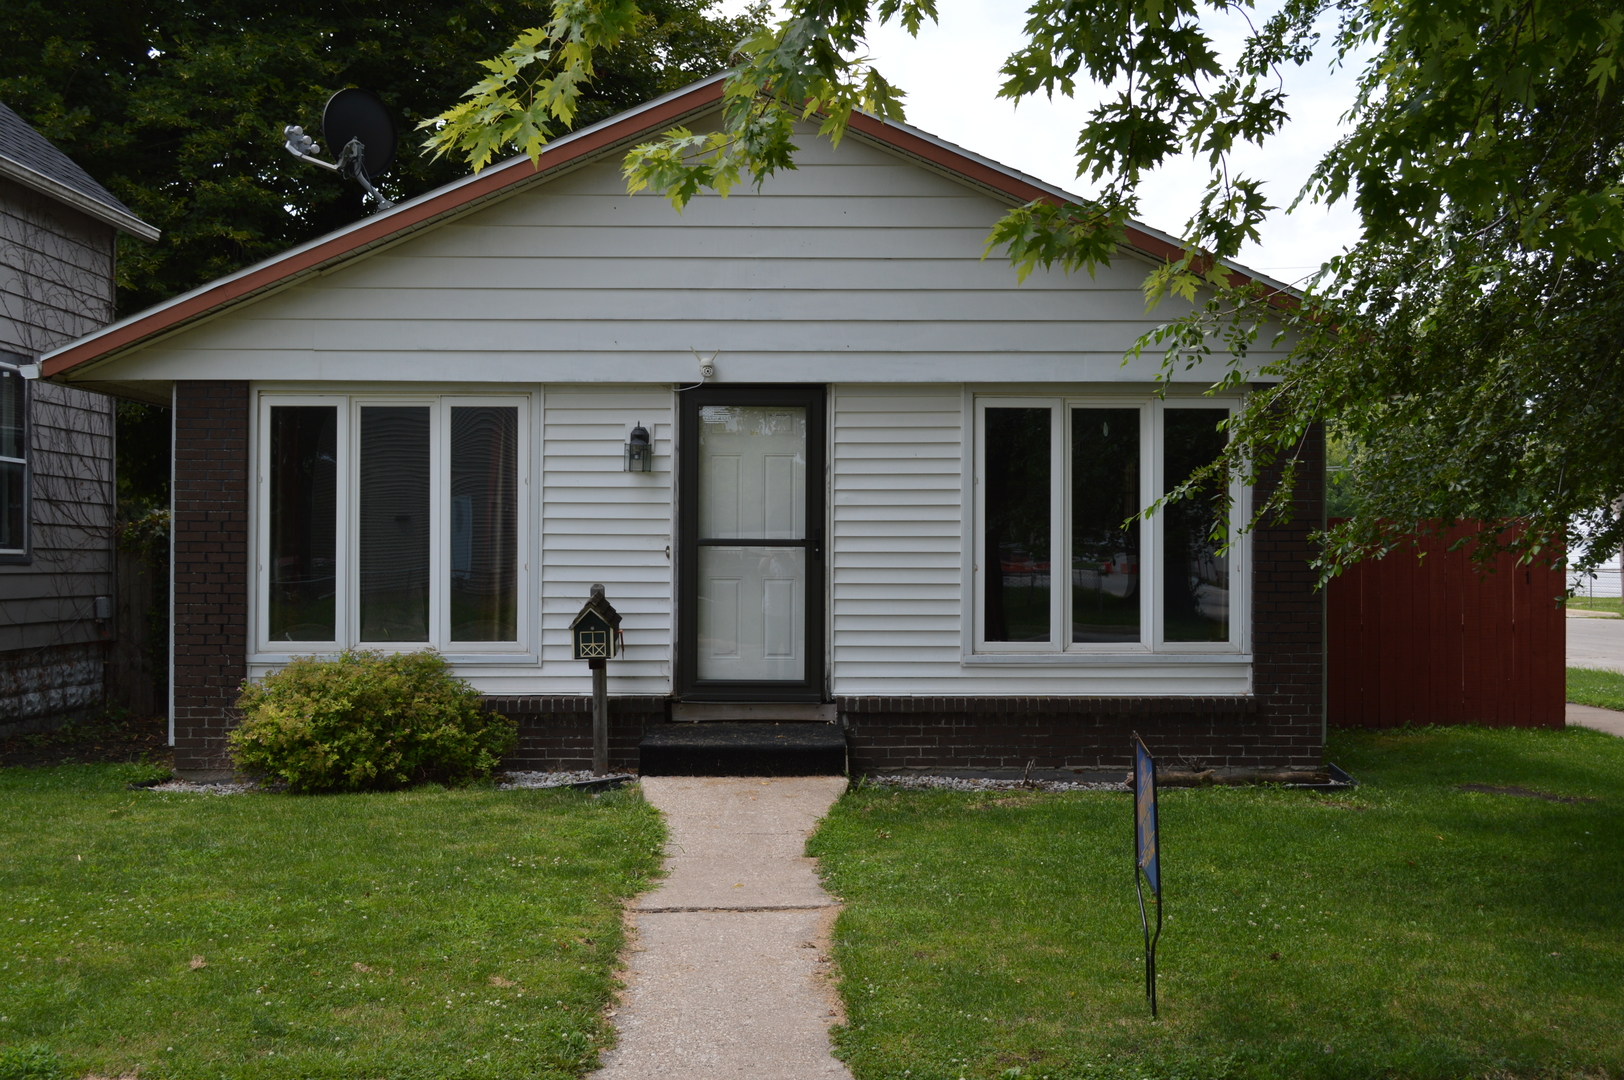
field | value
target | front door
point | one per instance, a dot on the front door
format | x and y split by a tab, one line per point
750	564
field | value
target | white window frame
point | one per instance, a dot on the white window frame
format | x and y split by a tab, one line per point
1151	540
347	541
23	554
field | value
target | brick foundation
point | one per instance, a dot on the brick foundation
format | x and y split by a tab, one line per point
210	544
555	733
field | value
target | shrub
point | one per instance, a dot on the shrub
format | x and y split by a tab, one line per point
367	721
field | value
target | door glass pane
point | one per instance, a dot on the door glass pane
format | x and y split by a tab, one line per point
752	472
1016	478
13	480
303	523
394	525
752	613
484	518
1195	577
1104	544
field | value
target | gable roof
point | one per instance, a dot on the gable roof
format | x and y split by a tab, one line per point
502	179
32	160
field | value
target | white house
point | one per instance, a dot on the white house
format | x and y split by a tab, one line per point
897	501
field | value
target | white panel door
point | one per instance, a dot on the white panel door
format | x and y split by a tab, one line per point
752	593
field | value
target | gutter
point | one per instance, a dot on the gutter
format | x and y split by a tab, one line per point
118	219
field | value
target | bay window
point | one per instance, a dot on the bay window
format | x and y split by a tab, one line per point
392	523
1061	563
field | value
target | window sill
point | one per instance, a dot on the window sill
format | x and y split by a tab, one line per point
1115	659
455	659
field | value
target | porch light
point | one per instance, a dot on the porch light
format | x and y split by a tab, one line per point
639	454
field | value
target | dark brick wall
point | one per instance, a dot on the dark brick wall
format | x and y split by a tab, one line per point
210	543
555	733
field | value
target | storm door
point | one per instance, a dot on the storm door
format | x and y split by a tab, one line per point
750	574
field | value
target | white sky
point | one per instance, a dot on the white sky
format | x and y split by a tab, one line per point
951	76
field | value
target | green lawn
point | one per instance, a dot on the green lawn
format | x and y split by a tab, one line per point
1406	929
1596	686
420	934
1597	603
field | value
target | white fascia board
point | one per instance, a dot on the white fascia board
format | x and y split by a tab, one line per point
22	174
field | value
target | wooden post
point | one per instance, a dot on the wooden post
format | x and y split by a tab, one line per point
600	717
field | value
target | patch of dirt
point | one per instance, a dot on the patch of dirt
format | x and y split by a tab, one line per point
105	738
1525	793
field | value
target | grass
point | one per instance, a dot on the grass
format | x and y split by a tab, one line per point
419	934
1596	686
1597	603
1405	929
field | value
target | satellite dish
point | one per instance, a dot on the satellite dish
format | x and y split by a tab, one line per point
361	129
361	114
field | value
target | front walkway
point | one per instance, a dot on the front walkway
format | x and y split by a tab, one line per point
728	969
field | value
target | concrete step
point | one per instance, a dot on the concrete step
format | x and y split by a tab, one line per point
707	712
721	748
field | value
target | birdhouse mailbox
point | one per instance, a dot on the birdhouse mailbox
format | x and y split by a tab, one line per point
595	633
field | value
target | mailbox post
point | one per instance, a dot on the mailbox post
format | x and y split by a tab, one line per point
595	636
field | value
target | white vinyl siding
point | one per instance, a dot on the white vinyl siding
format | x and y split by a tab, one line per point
601	524
901	587
859	266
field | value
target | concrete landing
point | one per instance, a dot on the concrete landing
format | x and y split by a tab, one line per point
727	974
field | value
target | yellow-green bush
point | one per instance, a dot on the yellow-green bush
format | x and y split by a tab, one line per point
367	721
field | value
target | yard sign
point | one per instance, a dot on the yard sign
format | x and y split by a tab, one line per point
1147	866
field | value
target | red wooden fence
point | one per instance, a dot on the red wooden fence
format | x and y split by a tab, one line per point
1433	641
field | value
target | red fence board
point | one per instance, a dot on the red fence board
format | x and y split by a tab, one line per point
1425	636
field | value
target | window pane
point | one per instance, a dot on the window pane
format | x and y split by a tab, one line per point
303	518
11	414
1195	578
394	540
1016	604
752	472
1104	551
13	485
484	523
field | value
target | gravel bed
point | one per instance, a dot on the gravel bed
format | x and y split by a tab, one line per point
513	780
970	783
203	789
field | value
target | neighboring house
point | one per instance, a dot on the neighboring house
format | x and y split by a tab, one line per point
898	500
57	229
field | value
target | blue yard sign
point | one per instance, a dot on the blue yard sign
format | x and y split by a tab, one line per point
1147	857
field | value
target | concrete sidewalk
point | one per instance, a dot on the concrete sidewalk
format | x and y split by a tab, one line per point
1591	717
727	975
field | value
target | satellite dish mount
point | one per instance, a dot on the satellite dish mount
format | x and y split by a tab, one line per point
358	121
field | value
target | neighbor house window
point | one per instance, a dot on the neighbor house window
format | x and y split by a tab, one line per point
1062	564
392	523
13	462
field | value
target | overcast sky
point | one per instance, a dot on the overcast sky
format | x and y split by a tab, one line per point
951	76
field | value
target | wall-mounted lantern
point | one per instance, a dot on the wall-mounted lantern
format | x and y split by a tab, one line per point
639	451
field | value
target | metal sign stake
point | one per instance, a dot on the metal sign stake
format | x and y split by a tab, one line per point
1147	867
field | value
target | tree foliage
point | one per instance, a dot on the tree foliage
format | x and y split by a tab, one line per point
1463	350
177	106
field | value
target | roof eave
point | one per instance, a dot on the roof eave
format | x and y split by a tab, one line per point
317	255
108	215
